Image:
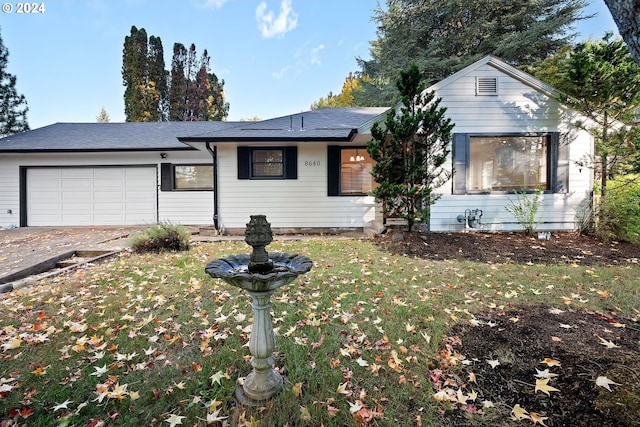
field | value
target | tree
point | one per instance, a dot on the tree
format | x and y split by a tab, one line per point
410	151
602	81
157	77
195	93
134	74
179	81
13	107
625	14
345	98
103	116
442	37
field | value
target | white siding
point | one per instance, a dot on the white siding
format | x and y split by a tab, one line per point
9	193
517	108
292	203
180	207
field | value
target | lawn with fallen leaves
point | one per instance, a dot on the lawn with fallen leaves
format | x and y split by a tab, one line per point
367	337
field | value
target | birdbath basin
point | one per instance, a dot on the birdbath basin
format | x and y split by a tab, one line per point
259	274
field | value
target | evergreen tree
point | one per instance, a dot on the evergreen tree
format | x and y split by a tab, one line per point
134	74
13	107
442	37
103	116
157	76
410	151
601	80
178	83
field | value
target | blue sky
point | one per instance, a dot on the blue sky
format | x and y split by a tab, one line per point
276	56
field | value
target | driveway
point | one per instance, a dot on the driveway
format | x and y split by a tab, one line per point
25	247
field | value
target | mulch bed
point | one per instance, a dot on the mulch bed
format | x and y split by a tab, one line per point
522	337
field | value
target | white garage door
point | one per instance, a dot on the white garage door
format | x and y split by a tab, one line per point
91	196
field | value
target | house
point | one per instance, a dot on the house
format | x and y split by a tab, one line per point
306	172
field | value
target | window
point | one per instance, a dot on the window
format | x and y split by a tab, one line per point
486	163
349	171
504	163
186	177
267	163
193	177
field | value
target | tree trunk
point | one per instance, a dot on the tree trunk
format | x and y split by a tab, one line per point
625	14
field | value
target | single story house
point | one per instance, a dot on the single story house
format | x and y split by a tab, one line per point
307	172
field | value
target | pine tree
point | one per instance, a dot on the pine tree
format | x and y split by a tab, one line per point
625	13
103	116
410	151
442	37
13	107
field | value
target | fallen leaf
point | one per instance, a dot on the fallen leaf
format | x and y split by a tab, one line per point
174	420
519	413
545	374
605	382
608	344
537	418
551	362
493	363
297	389
543	386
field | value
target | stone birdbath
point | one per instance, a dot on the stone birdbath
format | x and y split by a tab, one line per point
259	274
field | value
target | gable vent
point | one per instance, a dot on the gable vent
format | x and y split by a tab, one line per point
486	85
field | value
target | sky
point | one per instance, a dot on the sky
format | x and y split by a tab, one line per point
276	57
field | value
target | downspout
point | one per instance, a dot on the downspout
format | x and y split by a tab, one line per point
214	159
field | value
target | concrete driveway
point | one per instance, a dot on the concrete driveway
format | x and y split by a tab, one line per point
23	248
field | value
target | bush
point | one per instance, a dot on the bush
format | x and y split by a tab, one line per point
525	210
161	237
619	213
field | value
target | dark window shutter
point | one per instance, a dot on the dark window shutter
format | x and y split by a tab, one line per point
333	170
460	162
166	177
291	162
244	163
561	148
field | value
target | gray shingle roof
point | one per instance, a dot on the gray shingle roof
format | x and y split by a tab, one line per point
107	136
324	124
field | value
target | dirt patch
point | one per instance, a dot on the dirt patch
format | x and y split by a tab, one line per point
564	247
496	361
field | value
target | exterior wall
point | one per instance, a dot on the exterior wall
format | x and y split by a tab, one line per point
300	203
517	108
180	207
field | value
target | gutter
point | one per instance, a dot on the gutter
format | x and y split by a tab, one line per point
214	159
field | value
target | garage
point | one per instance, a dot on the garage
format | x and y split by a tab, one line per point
63	196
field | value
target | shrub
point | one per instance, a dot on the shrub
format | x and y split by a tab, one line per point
619	214
161	237
525	209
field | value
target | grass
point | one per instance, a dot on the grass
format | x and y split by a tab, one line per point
150	339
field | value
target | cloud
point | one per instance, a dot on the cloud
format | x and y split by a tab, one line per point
272	26
314	58
280	74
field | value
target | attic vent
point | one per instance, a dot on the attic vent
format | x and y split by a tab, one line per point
486	85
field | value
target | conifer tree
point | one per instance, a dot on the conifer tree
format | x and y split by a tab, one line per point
410	151
134	74
13	107
178	83
443	36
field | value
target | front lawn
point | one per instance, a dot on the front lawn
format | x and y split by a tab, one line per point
365	338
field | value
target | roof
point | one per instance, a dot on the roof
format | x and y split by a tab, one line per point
92	137
329	124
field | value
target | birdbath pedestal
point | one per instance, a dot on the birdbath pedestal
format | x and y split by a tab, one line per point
260	274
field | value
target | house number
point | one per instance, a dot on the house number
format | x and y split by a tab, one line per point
311	163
